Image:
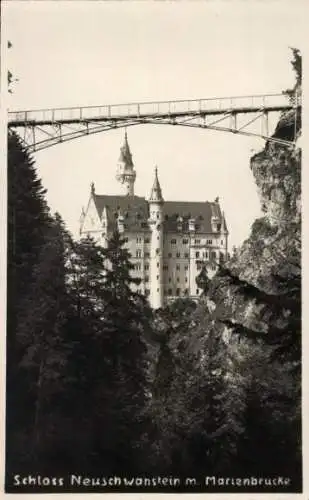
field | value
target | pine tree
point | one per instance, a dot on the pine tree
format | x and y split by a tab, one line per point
41	341
28	219
86	368
125	320
28	223
202	280
108	367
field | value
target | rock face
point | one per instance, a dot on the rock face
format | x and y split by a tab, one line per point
274	245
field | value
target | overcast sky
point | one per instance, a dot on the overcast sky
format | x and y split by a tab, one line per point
80	53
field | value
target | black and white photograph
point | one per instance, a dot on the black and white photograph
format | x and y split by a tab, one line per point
153	334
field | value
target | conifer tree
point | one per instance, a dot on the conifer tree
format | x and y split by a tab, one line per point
202	280
41	337
125	321
28	223
28	218
108	366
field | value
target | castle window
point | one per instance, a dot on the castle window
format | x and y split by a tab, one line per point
186	255
184	242
209	242
138	253
158	264
177	280
169	280
198	267
157	251
197	227
147	292
186	268
146	279
165	267
197	291
213	255
221	242
186	280
137	267
147	255
178	267
218	227
170	255
185	292
158	227
173	242
178	255
157	276
147	240
178	291
157	289
146	267
170	291
138	240
197	242
166	217
197	254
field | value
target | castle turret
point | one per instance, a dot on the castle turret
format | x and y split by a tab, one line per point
120	222
224	235
156	223
125	168
216	217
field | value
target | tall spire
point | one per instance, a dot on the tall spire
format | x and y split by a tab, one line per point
125	171
223	223
125	153
156	193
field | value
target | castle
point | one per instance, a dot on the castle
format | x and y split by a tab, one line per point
169	241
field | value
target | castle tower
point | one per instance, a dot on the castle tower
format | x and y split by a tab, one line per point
125	169
224	234
156	262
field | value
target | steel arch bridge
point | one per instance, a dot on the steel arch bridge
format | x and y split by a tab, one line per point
44	128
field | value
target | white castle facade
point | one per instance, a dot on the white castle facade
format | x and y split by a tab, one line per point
169	241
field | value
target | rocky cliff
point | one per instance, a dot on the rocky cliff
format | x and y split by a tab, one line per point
272	252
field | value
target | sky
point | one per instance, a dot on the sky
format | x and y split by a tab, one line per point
79	53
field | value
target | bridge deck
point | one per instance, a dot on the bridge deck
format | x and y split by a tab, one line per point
144	110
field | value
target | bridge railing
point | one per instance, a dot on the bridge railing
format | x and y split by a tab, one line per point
159	108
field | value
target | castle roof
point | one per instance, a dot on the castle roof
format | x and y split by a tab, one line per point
156	192
125	153
135	210
200	211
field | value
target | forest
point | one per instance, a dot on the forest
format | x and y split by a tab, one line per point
100	384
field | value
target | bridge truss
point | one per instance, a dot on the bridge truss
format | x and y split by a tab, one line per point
246	115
